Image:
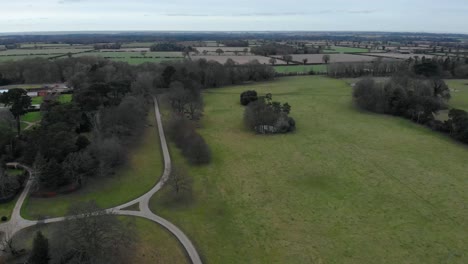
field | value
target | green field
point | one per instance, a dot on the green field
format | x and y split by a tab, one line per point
154	243
301	68
31	117
338	49
137	177
459	91
347	187
155	57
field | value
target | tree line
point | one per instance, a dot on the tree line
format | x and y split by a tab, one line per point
416	98
88	136
443	67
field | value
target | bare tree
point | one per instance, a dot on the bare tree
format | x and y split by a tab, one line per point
326	58
91	235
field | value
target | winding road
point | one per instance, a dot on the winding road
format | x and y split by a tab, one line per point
17	222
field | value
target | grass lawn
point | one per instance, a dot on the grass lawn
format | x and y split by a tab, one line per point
137	177
347	187
6	208
37	100
459	91
31	117
301	68
155	244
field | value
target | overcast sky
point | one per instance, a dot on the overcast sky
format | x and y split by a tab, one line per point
235	15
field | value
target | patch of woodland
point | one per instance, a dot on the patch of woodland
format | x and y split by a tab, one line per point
416	98
89	137
435	67
265	116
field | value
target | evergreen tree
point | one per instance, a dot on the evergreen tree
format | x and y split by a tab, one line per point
40	250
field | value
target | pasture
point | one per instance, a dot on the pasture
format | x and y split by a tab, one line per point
340	49
238	59
321	68
347	187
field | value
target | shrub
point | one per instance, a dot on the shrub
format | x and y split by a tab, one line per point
4	218
247	97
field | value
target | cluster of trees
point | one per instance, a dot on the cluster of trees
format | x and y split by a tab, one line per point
169	46
403	95
186	102
236	43
448	67
417	99
248	97
88	136
107	46
9	184
266	116
270	49
212	74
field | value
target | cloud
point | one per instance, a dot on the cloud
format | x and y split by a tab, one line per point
360	11
70	1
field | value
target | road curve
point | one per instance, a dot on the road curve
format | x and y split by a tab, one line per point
17	222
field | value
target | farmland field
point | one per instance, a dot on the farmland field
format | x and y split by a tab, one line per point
225	49
347	187
238	59
301	68
346	49
318	58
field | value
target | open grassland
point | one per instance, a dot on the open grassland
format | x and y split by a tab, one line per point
154	244
22	57
238	59
322	68
345	49
347	187
137	177
459	91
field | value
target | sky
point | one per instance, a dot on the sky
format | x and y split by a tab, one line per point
436	16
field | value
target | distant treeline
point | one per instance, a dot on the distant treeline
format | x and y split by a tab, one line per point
448	67
91	38
416	98
88	137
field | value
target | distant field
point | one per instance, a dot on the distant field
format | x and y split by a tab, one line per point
346	49
22	57
39	51
238	59
301	68
225	49
318	58
136	57
347	187
137	45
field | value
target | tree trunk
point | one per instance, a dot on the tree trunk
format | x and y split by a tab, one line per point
18	125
